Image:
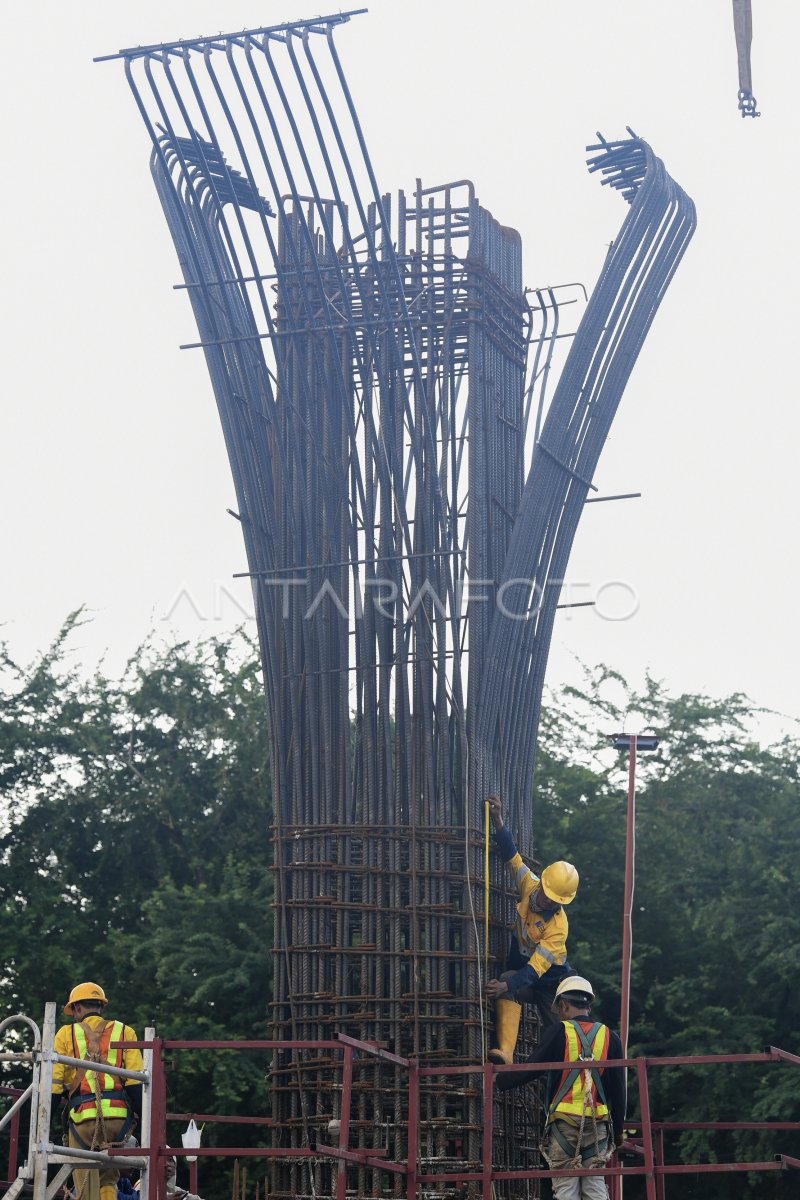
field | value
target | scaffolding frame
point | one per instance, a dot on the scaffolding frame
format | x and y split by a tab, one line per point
42	1153
418	1173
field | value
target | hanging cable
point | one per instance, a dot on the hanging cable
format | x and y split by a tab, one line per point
743	28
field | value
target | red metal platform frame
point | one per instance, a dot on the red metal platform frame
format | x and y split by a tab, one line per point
13	1136
649	1144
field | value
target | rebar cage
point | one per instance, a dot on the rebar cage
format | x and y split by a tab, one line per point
408	503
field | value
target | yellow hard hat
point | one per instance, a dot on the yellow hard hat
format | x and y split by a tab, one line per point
85	991
560	882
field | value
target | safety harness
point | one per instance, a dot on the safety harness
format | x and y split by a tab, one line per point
581	1093
88	1097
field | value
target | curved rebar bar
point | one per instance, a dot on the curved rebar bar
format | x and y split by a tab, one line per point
638	268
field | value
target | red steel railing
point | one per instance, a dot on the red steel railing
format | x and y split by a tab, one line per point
13	1137
650	1144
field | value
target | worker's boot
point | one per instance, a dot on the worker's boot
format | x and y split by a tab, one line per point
507	1015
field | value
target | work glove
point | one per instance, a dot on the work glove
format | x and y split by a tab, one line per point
134	1094
59	1116
625	1149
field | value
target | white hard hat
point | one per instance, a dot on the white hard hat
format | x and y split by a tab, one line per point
574	984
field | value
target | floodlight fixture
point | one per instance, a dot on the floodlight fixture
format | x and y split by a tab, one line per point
642	742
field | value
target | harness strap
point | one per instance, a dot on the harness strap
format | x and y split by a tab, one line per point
92	1049
91	1098
586	1040
94	1039
563	1090
596	1150
566	1087
122	1135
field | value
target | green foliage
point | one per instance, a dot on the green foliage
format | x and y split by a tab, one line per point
136	852
716	927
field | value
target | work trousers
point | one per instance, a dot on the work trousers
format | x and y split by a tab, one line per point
540	994
582	1187
96	1184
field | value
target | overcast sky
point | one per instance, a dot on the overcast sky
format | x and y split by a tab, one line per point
115	480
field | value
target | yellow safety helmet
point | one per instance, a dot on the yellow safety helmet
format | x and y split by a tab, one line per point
560	882
85	991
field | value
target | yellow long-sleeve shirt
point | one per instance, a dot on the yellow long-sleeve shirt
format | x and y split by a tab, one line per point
542	937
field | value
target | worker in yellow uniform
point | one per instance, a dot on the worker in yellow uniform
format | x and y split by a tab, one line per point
98	1108
538	955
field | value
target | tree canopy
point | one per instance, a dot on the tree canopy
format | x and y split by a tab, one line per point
716	929
135	850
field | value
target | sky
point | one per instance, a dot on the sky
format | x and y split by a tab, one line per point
115	481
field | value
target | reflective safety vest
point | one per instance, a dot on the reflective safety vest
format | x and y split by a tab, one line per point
580	1088
87	1084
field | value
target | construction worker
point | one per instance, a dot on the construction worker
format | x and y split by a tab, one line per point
97	1109
173	1191
538	953
585	1107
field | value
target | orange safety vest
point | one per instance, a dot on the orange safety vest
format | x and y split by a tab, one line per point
83	1093
580	1089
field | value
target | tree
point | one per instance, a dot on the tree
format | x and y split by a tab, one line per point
136	850
716	935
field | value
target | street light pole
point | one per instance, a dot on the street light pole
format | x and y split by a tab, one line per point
627	904
632	743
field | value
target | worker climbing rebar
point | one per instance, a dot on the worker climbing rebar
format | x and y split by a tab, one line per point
743	28
537	957
97	1109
